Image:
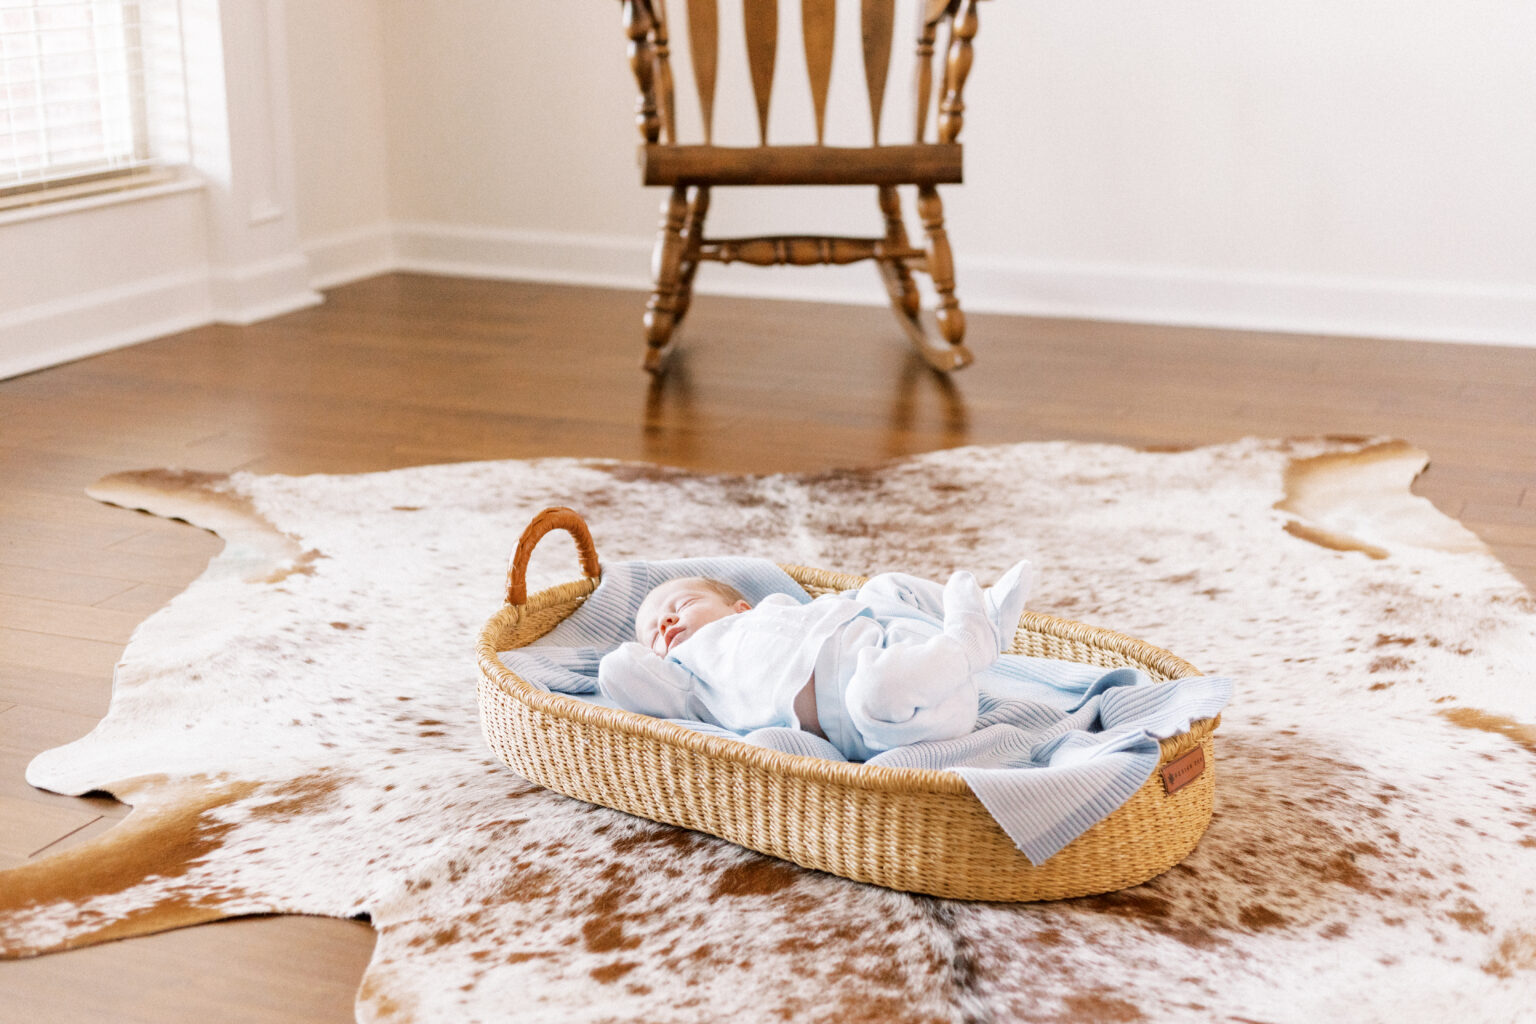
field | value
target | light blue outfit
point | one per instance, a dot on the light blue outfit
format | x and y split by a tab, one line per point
887	671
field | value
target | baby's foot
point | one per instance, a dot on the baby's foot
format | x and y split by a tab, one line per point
1005	601
967	620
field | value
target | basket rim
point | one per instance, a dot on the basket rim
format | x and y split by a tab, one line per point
852	775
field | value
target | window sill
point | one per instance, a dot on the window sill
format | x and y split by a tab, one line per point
170	183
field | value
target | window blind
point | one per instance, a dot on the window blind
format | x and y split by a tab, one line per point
92	96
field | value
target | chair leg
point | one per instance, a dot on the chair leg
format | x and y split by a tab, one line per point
693	234
662	309
905	300
947	351
941	265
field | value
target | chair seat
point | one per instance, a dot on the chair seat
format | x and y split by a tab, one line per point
920	164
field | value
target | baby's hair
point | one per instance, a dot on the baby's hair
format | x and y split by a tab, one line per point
722	589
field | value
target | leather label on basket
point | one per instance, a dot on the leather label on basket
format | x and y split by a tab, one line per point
1183	770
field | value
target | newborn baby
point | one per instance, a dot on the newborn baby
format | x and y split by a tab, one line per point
892	663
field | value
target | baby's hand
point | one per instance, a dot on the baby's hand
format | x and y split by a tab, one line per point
633	676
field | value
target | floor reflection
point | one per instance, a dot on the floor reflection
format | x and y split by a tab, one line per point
683	425
669	433
910	431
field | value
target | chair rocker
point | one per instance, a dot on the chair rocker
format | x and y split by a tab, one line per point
691	171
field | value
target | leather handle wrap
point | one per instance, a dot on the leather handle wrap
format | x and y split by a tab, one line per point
556	518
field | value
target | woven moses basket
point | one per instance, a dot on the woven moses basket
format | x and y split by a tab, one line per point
903	828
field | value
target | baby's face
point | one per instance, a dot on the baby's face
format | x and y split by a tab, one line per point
677	609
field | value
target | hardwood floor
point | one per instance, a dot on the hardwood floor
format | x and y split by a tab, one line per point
402	370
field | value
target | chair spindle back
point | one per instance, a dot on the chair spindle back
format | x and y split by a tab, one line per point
650	58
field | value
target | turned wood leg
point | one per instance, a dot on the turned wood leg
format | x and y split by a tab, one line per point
903	290
661	311
693	234
941	265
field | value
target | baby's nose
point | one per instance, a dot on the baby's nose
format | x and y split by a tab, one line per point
668	620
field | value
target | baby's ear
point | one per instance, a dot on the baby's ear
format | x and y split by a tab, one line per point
741	606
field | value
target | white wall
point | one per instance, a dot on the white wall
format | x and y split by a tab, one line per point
336	89
1358	168
1361	167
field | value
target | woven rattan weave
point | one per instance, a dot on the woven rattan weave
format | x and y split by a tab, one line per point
909	829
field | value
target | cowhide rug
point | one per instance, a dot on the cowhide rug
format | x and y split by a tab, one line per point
298	733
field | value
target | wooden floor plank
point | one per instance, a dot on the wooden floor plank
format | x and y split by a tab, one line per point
113	814
58	618
32	825
20	581
51	519
29	729
14	787
1520	558
265	970
141	599
1521	517
59	673
111	562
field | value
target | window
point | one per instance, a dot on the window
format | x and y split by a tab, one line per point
92	96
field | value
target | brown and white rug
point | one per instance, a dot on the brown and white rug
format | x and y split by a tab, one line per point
298	733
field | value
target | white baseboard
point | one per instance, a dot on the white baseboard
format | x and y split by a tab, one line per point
61	331
56	332
49	333
261	290
348	256
603	260
1237	300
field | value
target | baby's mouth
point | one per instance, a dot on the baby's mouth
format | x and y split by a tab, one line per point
672	636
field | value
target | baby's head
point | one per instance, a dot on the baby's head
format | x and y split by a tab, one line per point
676	610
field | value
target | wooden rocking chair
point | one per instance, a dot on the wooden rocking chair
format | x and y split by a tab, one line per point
692	170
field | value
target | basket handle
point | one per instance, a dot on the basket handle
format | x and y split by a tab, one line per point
556	518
